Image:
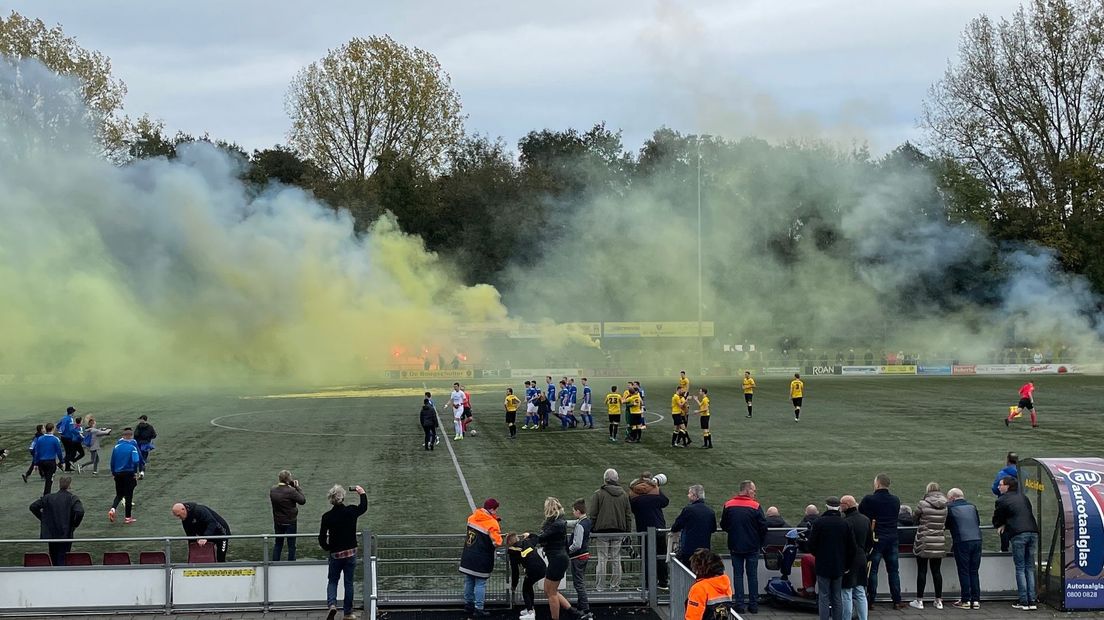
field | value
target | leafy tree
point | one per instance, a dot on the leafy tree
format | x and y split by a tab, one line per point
1023	109
102	94
282	164
369	98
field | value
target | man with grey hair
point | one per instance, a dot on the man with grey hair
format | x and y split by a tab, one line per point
854	580
611	513
964	524
338	537
694	525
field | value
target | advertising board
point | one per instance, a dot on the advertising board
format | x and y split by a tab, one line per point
897	369
858	370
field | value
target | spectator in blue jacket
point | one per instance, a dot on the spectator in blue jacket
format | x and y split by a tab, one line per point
124	469
48	454
1011	468
883	509
694	525
964	523
746	525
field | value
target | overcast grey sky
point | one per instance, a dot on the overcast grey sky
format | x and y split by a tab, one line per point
845	70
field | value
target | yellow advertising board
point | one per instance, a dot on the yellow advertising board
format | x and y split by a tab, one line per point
436	374
899	369
656	329
220	572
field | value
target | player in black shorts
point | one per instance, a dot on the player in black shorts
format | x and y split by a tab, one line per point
613	408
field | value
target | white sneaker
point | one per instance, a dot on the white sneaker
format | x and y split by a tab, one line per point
939	603
976	605
528	614
141	475
916	604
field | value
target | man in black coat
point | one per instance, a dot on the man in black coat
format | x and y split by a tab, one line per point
854	581
1013	517
199	520
60	514
695	525
882	508
833	545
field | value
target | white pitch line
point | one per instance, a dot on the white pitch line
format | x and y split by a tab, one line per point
456	464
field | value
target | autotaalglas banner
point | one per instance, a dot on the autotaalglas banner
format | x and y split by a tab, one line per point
1081	486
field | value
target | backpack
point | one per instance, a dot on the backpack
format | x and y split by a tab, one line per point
87	439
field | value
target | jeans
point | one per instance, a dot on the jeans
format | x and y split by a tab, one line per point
578	579
609	550
885	548
830	592
475	591
1023	554
922	576
854	603
967	557
341	567
278	546
745	563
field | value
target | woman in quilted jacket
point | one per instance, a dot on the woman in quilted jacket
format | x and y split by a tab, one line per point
931	543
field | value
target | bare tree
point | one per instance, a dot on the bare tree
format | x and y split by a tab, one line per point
373	98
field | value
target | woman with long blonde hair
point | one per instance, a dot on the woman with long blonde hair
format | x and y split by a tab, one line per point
553	539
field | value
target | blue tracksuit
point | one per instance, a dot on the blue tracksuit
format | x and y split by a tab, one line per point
124	457
48	448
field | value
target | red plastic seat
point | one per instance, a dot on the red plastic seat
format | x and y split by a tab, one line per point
151	557
78	558
34	560
201	554
116	558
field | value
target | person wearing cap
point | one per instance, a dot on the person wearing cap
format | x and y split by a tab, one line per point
338	537
833	545
69	433
477	559
611	512
144	434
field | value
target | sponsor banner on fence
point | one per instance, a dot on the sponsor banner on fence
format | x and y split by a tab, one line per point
822	370
1000	369
897	369
607	372
781	370
459	373
859	370
964	369
651	329
540	373
934	370
1081	486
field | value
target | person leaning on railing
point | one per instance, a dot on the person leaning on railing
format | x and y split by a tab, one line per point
338	536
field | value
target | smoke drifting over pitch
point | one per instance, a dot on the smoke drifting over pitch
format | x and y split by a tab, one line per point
171	273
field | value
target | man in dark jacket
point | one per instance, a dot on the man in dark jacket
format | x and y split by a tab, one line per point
882	508
833	545
338	537
964	523
811	515
777	527
1013	517
428	419
286	498
611	513
647	501
746	525
60	514
854	580
144	434
1011	468
199	520
694	525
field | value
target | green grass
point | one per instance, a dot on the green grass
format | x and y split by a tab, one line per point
916	429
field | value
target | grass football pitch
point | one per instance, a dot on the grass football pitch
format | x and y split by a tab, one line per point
224	450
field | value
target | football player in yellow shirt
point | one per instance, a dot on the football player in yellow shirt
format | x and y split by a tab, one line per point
678	416
636	416
684	382
511	403
797	393
703	412
749	390
613	409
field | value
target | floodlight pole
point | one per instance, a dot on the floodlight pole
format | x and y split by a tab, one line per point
701	344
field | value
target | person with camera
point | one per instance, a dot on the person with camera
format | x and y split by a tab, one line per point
286	497
338	537
647	502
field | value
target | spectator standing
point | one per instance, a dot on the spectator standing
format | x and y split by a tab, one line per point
882	508
59	515
92	437
854	580
286	498
964	523
428	419
199	520
48	454
1011	468
1013	515
694	525
553	539
610	510
833	545
746	525
338	537
647	502
124	469
144	434
478	556
578	550
931	543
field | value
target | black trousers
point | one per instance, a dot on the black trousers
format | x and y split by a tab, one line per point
124	490
58	551
430	435
47	469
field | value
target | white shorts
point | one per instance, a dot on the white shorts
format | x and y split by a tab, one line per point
457	412
585	408
530	408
